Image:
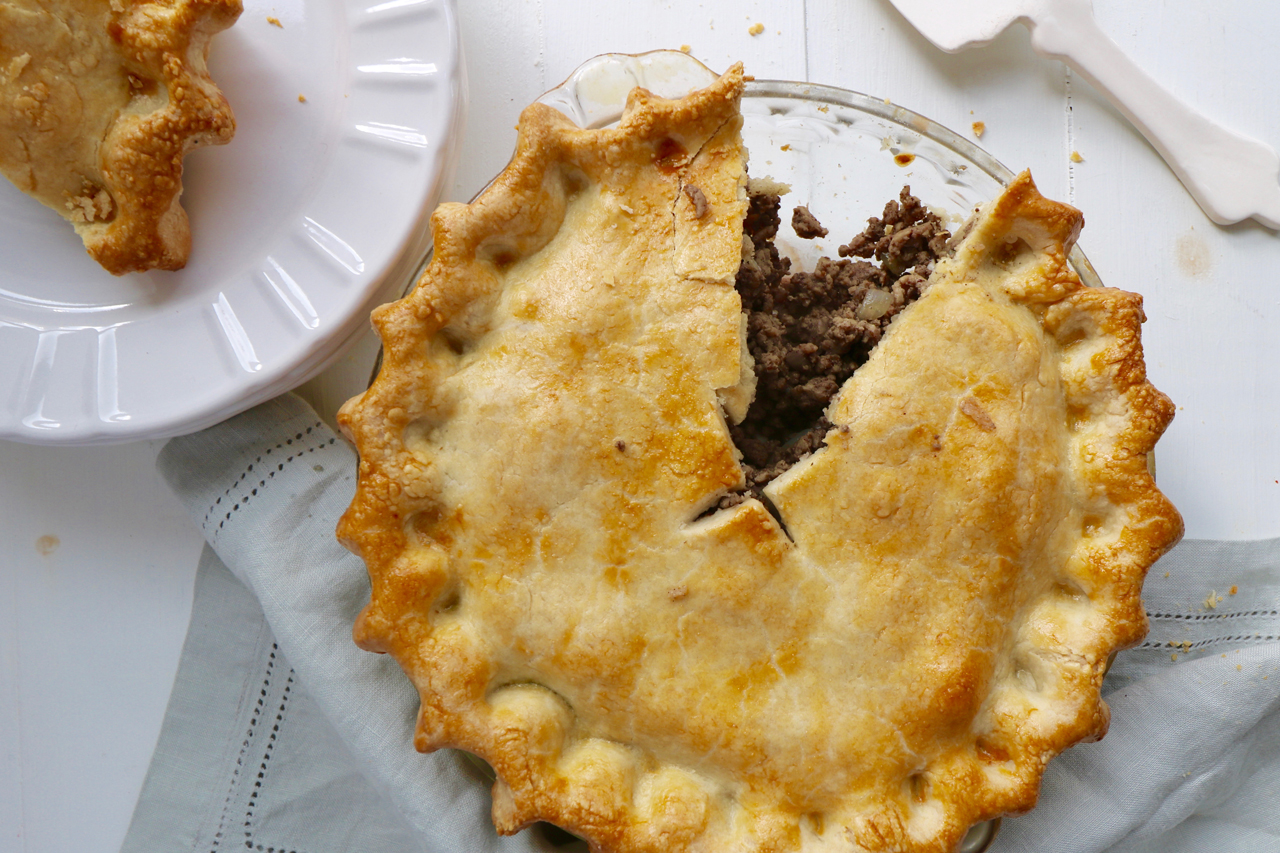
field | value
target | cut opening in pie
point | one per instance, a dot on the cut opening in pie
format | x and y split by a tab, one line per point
808	331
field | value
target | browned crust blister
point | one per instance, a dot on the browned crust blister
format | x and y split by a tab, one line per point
166	42
105	115
901	661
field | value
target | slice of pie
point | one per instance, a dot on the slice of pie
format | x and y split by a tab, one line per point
100	100
884	648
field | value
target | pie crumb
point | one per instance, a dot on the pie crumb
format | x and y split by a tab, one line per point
1076	158
1213	600
94	204
699	199
1174	657
302	99
678	592
973	409
756	29
1234	589
979	128
684	48
16	66
1239	667
274	21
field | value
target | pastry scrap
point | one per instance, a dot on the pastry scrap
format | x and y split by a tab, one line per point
100	100
892	658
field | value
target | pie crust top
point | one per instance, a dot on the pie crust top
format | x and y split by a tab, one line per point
896	660
100	100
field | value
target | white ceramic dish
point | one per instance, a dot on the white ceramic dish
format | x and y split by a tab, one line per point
314	213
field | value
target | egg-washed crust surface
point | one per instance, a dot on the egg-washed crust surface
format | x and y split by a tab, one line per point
898	663
100	100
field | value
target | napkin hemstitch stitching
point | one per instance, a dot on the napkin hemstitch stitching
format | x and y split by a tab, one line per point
237	778
246	498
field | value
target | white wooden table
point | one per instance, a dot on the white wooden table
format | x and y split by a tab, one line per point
97	560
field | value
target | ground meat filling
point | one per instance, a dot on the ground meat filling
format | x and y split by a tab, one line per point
808	332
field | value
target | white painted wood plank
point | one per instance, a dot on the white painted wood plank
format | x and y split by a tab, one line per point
99	565
1221	57
1211	293
11	664
868	47
717	33
502	49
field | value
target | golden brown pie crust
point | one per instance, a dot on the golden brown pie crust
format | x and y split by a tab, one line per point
99	103
900	662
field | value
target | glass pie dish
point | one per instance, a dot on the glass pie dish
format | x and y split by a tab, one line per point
843	155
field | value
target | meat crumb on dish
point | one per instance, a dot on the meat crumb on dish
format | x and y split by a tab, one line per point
806	225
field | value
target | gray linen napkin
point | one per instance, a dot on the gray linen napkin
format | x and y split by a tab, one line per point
275	714
282	736
1192	760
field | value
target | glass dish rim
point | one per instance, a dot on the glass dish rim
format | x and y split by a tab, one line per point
917	123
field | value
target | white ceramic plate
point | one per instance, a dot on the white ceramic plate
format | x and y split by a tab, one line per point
315	212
